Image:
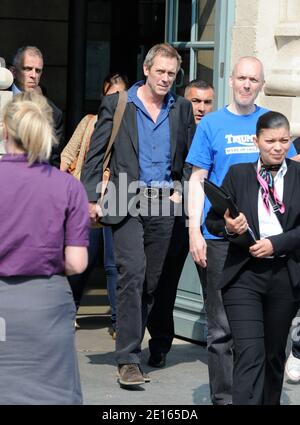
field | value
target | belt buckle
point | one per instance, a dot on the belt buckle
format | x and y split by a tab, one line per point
151	192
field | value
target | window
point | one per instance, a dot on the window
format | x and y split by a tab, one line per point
198	29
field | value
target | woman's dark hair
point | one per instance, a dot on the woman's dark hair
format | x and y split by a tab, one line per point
271	119
114	78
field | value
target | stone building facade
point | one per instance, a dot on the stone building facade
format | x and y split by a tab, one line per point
270	30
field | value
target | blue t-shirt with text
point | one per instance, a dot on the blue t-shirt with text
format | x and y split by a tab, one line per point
221	140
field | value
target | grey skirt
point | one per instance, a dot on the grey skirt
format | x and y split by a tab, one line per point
38	360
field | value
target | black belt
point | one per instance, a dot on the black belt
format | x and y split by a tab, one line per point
155	192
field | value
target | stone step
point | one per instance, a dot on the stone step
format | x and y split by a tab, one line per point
94	300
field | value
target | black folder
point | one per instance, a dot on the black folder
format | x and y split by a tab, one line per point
219	199
220	202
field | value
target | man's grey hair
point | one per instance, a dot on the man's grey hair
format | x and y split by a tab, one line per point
162	49
18	57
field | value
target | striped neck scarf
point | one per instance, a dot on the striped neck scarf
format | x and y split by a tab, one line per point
267	187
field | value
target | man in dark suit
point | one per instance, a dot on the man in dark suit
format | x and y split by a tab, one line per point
144	194
27	68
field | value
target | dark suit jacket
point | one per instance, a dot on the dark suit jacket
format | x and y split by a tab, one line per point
241	183
59	132
125	150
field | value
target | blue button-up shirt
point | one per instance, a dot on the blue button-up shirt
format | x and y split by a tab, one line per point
15	89
153	141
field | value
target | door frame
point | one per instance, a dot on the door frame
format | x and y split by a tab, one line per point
189	312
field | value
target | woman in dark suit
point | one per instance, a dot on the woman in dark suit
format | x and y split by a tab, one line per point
261	284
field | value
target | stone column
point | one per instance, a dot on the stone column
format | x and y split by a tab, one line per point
270	31
282	88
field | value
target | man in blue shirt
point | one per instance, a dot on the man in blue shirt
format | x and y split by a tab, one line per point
223	138
146	168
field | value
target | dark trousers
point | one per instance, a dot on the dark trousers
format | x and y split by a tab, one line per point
260	305
141	244
219	340
160	321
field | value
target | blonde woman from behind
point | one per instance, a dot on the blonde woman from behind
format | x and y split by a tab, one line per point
44	234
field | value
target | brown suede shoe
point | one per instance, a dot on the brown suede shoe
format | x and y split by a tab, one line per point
130	374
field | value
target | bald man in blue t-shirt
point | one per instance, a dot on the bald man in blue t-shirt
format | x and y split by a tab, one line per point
223	138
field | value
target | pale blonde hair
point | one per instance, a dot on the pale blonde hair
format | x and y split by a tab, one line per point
28	120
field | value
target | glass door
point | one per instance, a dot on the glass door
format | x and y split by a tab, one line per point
200	31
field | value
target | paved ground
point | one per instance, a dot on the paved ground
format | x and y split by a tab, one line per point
184	381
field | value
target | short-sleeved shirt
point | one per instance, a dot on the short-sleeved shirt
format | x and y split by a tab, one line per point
42	210
221	140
